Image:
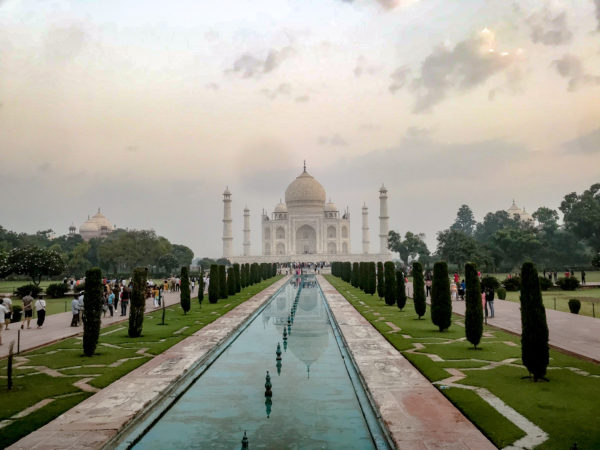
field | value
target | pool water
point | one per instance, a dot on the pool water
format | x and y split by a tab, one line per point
314	404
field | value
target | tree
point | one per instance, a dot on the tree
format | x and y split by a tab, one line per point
201	287
411	247
390	283
213	285
355	274
222	282
534	328
400	290
183	254
137	301
34	262
441	303
168	262
456	247
230	281
380	280
418	289
582	215
184	292
92	307
517	243
371	278
547	218
473	307
236	273
464	221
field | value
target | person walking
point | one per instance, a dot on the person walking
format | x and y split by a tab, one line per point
40	308
124	300
75	311
428	287
583	277
27	310
489	301
81	305
7	302
3	312
111	302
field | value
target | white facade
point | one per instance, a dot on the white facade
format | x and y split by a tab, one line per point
95	227
305	228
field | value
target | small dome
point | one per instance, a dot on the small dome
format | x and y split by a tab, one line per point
305	191
89	226
280	208
330	207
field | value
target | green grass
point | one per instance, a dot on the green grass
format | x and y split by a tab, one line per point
66	357
565	408
562	300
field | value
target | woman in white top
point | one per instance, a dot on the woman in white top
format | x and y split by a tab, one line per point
3	311
40	307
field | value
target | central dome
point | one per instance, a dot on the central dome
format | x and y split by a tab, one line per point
305	191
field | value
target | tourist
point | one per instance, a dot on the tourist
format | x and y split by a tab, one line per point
583	277
111	302
484	304
27	310
81	307
75	311
40	309
461	290
124	300
427	287
456	277
489	300
453	291
7	302
3	312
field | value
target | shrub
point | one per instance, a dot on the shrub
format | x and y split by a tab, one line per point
137	301
534	334
501	292
230	281
545	283
490	282
92	308
574	306
371	278
400	290
474	308
390	283
380	280
79	288
236	277
419	289
17	312
24	290
223	281
213	284
184	292
568	283
355	274
201	287
441	303
57	290
512	284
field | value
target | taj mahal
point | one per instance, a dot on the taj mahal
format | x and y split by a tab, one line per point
306	228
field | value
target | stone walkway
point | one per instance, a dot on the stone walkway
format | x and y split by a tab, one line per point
96	420
416	414
57	327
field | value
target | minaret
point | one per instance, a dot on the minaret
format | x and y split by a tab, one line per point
246	231
383	221
227	230
365	229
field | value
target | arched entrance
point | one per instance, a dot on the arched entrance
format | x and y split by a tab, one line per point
306	239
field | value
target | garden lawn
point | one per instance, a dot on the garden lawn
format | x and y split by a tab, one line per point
566	407
50	372
562	300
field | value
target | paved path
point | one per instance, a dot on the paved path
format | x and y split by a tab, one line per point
579	335
416	414
94	422
57	327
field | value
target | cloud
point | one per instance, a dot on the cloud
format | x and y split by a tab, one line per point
62	44
131	148
284	89
468	65
570	66
390	4
549	29
418	133
302	99
334	140
212	86
588	143
399	78
364	68
249	66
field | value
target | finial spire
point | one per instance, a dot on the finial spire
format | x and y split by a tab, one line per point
305	166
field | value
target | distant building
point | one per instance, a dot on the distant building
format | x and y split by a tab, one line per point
96	226
517	213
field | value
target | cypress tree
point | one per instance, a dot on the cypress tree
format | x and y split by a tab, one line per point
363	276
390	283
355	274
137	301
201	287
400	290
419	289
248	277
534	328
222	282
243	282
184	292
380	280
441	303
371	278
213	284
473	307
230	281
236	274
92	308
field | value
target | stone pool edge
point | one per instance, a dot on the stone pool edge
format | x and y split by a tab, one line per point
99	418
415	413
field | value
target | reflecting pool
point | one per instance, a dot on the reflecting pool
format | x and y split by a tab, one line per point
313	404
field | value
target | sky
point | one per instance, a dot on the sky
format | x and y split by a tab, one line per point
149	110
